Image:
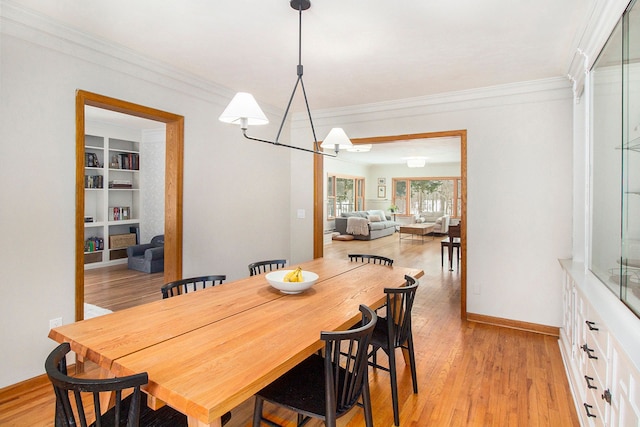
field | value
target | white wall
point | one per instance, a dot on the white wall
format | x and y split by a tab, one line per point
152	174
519	185
236	192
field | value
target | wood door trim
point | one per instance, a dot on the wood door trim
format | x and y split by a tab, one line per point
173	183
318	220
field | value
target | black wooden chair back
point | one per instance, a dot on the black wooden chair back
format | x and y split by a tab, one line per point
191	284
375	259
454	231
265	266
125	411
393	332
329	386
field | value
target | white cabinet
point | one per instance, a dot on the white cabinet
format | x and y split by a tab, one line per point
112	198
597	338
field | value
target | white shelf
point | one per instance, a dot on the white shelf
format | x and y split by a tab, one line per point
99	201
124	222
123	170
94	224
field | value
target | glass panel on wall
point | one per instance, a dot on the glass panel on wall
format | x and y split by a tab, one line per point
606	93
331	197
615	161
359	195
400	196
630	289
432	196
344	194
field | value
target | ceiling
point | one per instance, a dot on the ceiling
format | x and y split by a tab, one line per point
353	52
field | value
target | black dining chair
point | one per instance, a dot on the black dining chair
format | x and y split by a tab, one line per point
452	241
259	267
394	331
329	386
129	411
191	284
374	259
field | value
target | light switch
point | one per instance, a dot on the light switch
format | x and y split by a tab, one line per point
301	213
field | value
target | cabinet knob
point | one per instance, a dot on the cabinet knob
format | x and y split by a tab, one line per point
589	351
588	408
591	325
588	380
606	396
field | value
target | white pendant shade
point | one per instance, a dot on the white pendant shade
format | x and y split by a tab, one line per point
243	110
336	138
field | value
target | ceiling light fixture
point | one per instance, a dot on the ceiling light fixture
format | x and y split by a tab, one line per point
244	110
360	148
416	162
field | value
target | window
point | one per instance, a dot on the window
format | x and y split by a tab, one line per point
416	195
344	194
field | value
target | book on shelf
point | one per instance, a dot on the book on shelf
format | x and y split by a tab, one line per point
93	181
119	213
116	183
91	160
93	244
130	161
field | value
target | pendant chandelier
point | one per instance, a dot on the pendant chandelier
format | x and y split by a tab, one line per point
244	110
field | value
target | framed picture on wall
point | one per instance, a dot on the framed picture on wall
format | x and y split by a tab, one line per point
382	181
382	191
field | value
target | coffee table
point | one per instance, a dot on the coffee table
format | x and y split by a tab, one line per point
416	230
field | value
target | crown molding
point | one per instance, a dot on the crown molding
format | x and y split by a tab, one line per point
38	29
500	95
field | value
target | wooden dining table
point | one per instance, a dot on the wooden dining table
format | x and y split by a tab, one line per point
206	352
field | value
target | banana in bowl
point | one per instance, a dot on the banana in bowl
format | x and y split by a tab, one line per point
292	281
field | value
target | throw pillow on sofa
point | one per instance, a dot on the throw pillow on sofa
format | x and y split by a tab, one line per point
374	218
381	214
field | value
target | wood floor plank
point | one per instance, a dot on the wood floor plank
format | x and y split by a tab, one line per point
469	374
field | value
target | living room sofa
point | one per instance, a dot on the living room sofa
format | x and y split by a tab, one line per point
378	224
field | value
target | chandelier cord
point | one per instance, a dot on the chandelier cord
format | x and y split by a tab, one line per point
299	72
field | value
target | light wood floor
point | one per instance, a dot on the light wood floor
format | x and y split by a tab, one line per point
469	374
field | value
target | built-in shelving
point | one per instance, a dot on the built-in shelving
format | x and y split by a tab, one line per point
112	198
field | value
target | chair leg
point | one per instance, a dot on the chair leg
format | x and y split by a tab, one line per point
412	364
394	385
257	412
366	402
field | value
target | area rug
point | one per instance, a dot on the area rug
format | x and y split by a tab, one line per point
91	310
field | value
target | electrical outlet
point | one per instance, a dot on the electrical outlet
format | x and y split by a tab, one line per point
54	323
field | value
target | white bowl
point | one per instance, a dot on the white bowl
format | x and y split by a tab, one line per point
275	279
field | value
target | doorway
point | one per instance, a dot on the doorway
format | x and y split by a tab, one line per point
318	218
174	125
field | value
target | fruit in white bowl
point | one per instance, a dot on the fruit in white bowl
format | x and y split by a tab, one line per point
277	280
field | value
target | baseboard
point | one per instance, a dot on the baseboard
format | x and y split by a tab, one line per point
29	384
13	390
514	324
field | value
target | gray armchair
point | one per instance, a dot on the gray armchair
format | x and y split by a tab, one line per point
148	258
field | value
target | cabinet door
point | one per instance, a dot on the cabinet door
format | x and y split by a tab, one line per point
624	392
